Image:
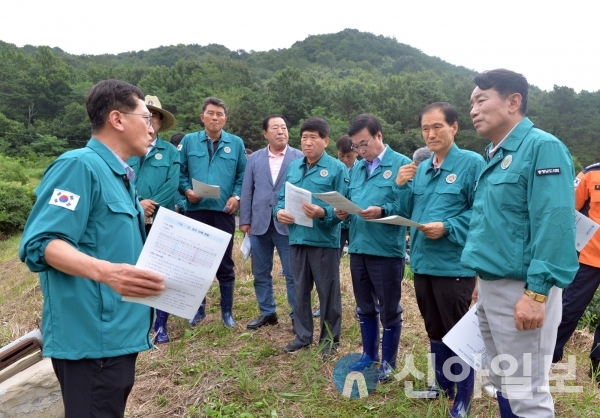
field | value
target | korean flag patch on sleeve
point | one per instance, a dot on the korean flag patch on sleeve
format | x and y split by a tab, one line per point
64	199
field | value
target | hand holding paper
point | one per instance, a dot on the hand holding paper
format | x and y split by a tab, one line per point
206	190
187	253
295	197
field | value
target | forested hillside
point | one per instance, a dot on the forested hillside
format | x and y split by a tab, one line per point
335	76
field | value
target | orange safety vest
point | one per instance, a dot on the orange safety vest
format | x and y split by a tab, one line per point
587	201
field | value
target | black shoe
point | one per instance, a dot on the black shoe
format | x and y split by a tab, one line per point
328	352
295	346
262	320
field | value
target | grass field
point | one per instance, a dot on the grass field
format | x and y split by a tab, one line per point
213	371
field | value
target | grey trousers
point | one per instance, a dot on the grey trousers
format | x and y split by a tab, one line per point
320	266
518	361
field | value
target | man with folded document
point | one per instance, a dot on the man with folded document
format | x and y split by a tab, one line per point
442	196
377	250
214	157
578	295
314	251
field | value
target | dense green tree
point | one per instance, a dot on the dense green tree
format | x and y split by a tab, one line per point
295	92
335	76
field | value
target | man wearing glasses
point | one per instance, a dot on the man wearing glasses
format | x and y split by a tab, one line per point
156	182
84	235
376	250
214	157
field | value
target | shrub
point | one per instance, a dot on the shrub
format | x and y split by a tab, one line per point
11	170
589	319
15	205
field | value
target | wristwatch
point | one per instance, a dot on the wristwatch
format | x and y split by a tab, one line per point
236	198
538	297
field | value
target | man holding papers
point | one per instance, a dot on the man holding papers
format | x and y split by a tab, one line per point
579	294
443	186
520	242
84	235
314	251
377	250
214	157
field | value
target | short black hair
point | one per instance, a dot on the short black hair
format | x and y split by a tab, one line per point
505	82
365	121
109	95
265	122
176	138
214	101
450	113
315	125
344	144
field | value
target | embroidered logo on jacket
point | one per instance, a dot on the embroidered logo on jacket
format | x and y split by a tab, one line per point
547	171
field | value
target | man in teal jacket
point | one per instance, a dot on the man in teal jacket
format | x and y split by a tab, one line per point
314	254
521	242
84	234
214	157
442	197
377	251
156	181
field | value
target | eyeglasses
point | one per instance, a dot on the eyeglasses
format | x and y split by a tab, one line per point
361	146
147	116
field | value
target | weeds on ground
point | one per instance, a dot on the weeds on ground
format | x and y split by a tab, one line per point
214	371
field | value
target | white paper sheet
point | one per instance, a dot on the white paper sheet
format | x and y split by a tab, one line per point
246	248
466	341
585	230
187	254
206	190
294	198
338	201
395	220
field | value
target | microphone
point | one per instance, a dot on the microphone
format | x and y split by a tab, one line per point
421	155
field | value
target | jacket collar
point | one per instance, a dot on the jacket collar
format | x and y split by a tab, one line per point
448	163
107	155
515	138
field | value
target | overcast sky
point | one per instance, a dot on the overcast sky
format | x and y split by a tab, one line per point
550	42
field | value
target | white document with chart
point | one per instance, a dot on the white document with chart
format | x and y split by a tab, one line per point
187	253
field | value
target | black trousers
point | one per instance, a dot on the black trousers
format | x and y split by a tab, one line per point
226	223
442	301
576	297
95	388
344	238
319	267
377	287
